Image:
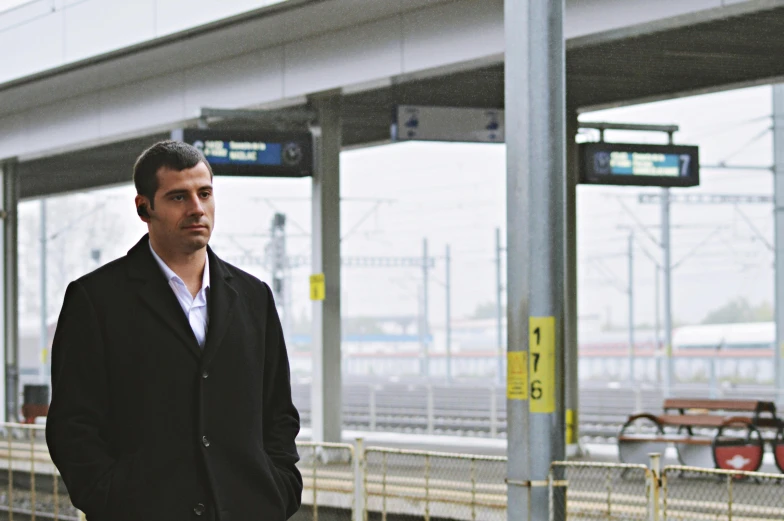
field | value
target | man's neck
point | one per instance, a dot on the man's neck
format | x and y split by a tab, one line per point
188	266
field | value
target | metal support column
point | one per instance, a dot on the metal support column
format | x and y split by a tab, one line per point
571	355
10	325
535	111
43	377
519	130
546	218
326	387
778	209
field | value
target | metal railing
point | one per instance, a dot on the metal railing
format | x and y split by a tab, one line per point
33	488
635	492
602	491
434	484
690	493
329	476
351	482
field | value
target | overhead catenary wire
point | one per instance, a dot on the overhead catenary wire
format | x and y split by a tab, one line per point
747	144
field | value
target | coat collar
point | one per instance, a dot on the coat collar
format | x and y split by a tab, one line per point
159	297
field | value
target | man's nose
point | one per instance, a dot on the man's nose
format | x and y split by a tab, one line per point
195	206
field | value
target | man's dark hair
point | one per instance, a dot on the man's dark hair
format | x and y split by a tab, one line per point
175	155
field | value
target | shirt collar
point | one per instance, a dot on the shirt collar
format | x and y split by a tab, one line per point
170	275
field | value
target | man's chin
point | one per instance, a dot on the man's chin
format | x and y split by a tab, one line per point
198	243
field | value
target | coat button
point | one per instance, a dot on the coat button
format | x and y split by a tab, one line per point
205	374
205	441
198	509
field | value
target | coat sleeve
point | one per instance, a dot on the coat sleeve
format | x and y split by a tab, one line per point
281	419
78	419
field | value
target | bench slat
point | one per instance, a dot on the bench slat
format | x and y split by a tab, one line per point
720	405
658	438
696	420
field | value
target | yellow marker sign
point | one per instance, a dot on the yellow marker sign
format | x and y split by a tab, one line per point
317	287
569	427
542	364
517	375
44	355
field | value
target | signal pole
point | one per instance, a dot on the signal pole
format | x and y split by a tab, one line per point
448	268
425	325
499	289
277	252
631	308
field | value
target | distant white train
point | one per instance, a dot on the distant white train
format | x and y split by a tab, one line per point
730	353
726	337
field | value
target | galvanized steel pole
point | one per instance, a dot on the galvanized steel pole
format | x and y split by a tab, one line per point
10	315
778	209
326	388
571	354
536	134
517	90
44	340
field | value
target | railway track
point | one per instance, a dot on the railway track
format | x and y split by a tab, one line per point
480	410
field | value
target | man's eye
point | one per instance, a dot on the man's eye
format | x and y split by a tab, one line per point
177	198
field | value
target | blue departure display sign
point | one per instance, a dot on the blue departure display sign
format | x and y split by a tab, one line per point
252	154
639	165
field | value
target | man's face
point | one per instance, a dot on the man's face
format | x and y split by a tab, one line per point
184	213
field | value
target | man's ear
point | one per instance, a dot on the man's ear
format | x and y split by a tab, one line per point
142	205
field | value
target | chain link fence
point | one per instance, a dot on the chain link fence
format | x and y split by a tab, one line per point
433	485
601	491
329	476
30	485
696	494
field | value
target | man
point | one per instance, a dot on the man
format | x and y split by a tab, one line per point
171	397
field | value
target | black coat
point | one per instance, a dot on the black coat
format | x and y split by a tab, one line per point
144	426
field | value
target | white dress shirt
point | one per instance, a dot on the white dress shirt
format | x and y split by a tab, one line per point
195	308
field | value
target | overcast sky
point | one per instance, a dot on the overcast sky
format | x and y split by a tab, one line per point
394	196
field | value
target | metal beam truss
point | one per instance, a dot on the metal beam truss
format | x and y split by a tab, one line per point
708	198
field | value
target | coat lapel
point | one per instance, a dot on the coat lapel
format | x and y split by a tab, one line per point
158	296
220	306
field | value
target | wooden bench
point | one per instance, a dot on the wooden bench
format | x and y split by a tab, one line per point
734	440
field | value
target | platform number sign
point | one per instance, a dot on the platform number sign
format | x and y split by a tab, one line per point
317	287
542	364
